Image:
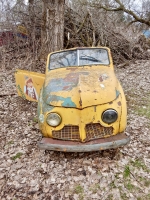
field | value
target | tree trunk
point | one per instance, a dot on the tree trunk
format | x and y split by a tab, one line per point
52	32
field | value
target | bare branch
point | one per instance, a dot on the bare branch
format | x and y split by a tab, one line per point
121	7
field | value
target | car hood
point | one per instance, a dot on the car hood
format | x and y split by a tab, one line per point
80	87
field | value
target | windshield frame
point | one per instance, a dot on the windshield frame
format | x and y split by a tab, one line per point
78	58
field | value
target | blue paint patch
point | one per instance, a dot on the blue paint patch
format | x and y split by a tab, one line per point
64	84
41	118
59	84
47	108
117	93
67	102
42	106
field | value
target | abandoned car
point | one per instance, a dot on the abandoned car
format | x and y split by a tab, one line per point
81	104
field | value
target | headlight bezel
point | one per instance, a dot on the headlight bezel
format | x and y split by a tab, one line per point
53	116
106	119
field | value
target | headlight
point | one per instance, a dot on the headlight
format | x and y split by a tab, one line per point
53	119
109	116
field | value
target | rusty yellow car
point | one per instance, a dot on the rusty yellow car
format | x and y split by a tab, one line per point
81	104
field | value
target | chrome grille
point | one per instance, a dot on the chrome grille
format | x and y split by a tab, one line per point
96	131
67	133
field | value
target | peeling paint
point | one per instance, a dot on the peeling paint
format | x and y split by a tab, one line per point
41	118
117	93
70	87
67	102
103	77
102	86
22	93
119	103
47	108
68	83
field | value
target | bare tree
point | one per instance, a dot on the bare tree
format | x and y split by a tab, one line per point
52	33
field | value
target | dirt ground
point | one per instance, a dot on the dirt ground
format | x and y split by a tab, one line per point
28	173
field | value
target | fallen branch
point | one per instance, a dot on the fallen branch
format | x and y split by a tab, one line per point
11	94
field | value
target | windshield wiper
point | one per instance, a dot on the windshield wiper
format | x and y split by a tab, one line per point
60	63
89	58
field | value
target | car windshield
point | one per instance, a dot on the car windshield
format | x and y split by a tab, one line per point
79	57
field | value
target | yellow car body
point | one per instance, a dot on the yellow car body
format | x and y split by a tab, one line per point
81	104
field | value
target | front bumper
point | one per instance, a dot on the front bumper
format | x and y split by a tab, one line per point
95	145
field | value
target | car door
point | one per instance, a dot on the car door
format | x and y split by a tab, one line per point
29	84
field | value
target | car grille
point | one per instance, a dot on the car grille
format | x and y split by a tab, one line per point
67	133
95	131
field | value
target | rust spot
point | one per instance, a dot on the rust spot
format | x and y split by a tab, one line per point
103	77
72	68
65	87
119	103
79	91
80	102
95	91
100	79
65	150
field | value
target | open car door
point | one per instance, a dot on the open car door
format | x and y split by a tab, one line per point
29	84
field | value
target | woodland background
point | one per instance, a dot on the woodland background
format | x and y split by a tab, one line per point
29	30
